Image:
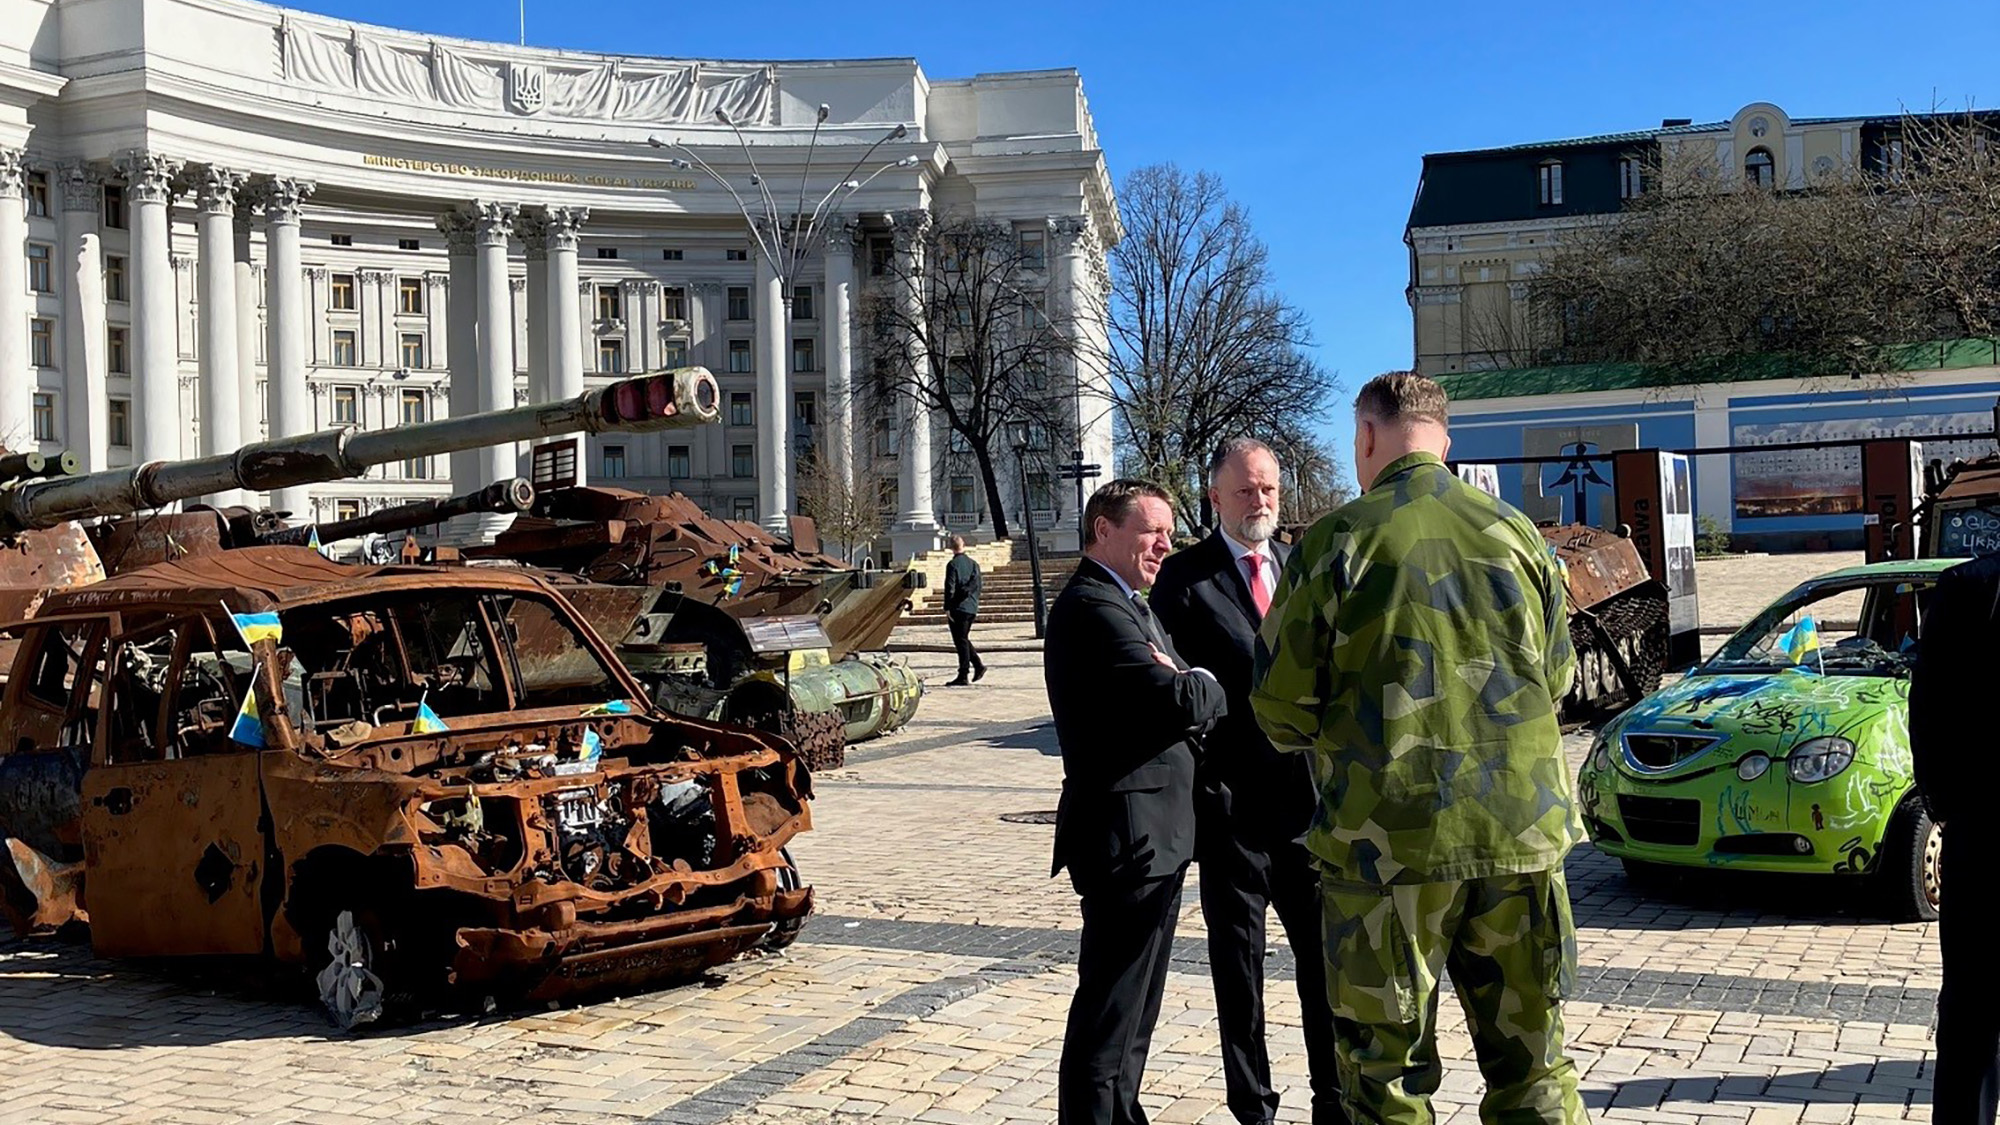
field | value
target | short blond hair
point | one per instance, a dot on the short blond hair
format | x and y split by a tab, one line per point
1404	396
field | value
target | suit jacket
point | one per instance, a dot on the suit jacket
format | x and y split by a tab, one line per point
1951	747
1204	601
1128	729
962	585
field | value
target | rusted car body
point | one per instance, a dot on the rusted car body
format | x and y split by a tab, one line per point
409	780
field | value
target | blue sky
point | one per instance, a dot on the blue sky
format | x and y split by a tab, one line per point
1317	115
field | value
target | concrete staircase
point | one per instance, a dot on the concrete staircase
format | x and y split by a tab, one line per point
1008	593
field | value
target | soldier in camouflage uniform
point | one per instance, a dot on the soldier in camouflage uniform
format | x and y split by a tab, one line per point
1416	648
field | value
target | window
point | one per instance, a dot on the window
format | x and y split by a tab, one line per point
888	438
42	342
676	353
346	509
744	508
347	406
413	351
678	467
673	303
114	207
805	408
736	254
963	497
117	359
1892	157
38	195
739	357
410	295
416	468
1552	182
190	713
739	303
802	302
611	357
41	268
887	494
343	291
1631	177
1758	168
742	461
606	253
805	354
609	304
45	416
118	421
1034	247
671	254
613	462
739	408
881	254
408	244
342	240
114	277
1040	498
344	349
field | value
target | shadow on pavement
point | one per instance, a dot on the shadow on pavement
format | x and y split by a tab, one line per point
1890	1082
1604	896
1040	738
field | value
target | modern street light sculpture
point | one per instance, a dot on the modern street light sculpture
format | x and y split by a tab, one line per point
784	242
1021	435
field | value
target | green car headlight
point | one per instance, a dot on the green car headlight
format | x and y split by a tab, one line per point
1600	756
1820	758
1753	766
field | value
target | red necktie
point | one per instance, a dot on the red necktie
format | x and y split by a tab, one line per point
1259	597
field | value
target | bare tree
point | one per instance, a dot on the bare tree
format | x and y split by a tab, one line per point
1706	271
961	327
1202	347
848	512
1310	470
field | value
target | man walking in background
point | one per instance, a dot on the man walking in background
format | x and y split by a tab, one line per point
1253	805
962	583
1417	646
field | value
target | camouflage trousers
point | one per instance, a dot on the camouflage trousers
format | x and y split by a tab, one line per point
1509	944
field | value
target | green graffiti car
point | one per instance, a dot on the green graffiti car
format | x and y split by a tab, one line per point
1774	755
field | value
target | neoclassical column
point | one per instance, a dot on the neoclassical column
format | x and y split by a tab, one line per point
916	525
461	350
1077	289
17	388
288	401
220	402
774	395
250	403
530	229
642	323
493	226
838	327
84	369
561	226
156	400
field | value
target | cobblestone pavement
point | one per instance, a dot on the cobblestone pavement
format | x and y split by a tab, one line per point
933	983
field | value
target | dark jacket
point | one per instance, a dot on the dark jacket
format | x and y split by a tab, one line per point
1204	601
962	584
1127	727
1952	749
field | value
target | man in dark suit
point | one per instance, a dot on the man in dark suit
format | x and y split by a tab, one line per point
1957	769
1129	715
1253	805
962	584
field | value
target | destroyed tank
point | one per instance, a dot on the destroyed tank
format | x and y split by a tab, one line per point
752	627
1618	620
1960	513
415	782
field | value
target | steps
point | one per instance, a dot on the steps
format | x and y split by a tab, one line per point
1007	595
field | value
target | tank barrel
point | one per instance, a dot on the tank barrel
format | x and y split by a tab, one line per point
515	495
17	466
684	397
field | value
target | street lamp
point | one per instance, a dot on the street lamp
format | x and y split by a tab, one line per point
784	243
1021	435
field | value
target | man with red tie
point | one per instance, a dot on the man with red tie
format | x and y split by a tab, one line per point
1253	804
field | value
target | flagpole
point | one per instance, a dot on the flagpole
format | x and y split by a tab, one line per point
524	23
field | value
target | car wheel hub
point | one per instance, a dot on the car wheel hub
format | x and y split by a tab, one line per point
1933	872
348	986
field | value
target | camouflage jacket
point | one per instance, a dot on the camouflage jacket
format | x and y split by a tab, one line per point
1417	645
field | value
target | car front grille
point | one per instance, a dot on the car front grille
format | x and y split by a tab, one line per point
1664	751
1661	820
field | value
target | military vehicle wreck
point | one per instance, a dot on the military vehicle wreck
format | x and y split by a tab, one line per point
410	781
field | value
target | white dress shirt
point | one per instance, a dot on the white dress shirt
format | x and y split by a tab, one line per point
1268	576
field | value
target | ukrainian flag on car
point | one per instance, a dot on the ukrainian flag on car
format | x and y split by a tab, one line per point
258	627
248	728
1799	640
427	721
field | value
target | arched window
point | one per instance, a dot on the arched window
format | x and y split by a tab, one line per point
1552	182
1758	168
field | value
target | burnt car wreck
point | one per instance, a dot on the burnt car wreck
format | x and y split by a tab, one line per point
407	781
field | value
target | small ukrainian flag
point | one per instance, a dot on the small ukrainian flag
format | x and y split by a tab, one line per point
248	728
258	627
312	540
1799	640
427	721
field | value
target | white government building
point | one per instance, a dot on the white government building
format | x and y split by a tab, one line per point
226	221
